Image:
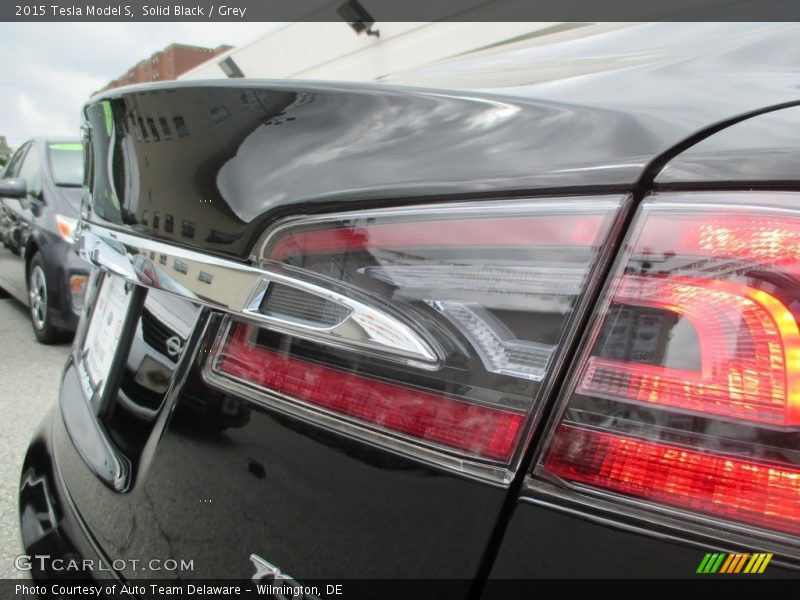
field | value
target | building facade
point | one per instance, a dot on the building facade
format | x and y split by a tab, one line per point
167	64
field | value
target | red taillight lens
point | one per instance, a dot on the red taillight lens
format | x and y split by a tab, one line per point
479	297
479	430
499	232
749	348
743	490
689	392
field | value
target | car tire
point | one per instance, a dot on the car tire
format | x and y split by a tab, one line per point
39	296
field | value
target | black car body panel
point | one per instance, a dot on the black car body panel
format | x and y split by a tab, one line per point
755	152
49	522
209	166
380	146
352	507
592	550
261	150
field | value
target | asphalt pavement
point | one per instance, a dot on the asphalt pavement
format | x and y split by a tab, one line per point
29	378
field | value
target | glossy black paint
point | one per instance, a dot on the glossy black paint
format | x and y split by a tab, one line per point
28	226
542	543
241	154
49	523
761	151
312	146
316	502
227	158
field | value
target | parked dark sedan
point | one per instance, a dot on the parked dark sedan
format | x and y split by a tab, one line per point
543	330
40	198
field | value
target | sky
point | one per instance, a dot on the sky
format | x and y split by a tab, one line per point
48	70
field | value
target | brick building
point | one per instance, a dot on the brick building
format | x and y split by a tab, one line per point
167	64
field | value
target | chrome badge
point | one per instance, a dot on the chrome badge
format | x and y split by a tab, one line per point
277	584
266	570
174	346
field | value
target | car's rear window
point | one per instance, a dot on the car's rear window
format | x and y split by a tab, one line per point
66	163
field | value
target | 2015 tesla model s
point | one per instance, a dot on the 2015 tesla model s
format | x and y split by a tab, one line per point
361	331
40	198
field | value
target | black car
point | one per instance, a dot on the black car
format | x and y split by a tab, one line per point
406	334
40	199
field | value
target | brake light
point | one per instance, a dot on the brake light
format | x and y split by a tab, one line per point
743	490
430	326
748	341
688	394
480	430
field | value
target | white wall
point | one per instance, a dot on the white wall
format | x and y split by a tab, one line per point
332	50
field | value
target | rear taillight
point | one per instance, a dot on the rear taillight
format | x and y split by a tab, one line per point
688	393
744	490
426	328
482	430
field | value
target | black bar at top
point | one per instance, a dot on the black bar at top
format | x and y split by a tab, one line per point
395	10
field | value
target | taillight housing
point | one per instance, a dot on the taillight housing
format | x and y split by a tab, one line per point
685	401
426	329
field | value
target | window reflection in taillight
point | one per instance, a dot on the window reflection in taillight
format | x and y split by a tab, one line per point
688	394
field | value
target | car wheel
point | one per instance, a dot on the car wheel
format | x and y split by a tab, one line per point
39	297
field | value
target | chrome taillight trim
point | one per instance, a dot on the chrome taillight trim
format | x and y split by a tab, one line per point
239	288
361	330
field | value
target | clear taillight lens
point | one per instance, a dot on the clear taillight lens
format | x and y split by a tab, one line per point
432	326
688	394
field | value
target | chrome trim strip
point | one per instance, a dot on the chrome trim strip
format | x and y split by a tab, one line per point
238	288
366	328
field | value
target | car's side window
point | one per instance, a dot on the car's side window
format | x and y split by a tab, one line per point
13	167
31	172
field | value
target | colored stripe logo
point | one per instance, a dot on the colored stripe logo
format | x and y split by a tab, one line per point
723	562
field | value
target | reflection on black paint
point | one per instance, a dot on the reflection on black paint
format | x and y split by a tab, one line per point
219	114
255	468
187	229
152	125
149	368
180	266
180	126
165	128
